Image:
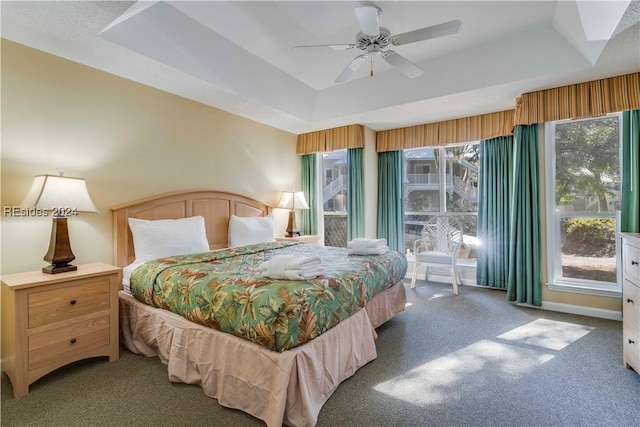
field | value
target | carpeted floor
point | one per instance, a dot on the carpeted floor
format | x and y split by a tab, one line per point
467	360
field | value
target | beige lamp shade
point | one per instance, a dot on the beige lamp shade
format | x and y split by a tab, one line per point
59	194
293	200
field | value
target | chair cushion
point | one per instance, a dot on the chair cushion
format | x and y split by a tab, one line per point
434	257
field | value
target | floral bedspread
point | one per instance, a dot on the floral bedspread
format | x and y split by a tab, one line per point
222	289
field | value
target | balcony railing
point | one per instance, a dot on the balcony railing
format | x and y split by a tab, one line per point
468	191
423	178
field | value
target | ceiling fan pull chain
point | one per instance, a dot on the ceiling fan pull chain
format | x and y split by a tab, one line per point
371	72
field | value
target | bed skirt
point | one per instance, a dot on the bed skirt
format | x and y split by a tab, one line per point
278	388
387	304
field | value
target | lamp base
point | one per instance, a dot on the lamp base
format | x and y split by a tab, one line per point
292	229
54	269
59	253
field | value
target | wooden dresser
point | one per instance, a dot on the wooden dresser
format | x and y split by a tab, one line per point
51	320
631	300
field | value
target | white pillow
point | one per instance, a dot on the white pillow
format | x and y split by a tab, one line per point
168	237
250	230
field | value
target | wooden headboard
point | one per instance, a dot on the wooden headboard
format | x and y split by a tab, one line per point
215	206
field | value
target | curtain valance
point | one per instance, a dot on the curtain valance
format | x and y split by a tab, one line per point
589	99
340	138
466	129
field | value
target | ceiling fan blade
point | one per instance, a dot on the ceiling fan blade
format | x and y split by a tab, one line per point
328	46
403	64
432	32
351	68
368	20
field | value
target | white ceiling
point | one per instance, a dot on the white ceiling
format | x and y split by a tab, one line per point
238	56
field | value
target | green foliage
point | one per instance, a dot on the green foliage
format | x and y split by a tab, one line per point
418	202
468	152
592	237
586	230
587	160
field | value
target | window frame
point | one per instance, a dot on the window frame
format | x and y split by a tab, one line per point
332	170
322	213
555	280
442	178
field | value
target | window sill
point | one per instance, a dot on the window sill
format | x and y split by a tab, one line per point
586	290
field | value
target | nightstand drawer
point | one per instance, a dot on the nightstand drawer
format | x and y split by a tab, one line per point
631	262
631	303
62	344
631	346
55	305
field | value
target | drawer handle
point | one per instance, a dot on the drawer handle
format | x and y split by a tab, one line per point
73	302
73	340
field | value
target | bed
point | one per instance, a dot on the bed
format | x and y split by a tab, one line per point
285	382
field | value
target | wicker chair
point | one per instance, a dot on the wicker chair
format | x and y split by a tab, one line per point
438	247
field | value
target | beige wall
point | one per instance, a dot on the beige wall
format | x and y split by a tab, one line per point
128	141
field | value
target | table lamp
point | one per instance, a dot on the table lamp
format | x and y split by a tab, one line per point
292	200
60	196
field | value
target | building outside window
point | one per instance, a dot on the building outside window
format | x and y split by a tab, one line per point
335	173
442	180
583	188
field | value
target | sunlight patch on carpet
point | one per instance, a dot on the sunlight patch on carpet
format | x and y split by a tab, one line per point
549	334
440	295
443	379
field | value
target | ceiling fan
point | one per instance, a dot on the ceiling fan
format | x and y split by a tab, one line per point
373	38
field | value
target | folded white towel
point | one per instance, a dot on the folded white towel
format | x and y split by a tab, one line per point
291	262
291	267
362	242
294	275
368	251
357	246
363	246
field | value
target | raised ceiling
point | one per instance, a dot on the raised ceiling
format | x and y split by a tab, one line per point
238	56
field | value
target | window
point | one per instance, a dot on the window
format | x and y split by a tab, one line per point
334	197
442	180
583	187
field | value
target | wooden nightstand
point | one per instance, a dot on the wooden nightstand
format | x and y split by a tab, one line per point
310	238
51	320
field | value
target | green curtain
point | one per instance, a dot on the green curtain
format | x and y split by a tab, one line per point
391	199
355	194
309	217
524	284
630	191
494	196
